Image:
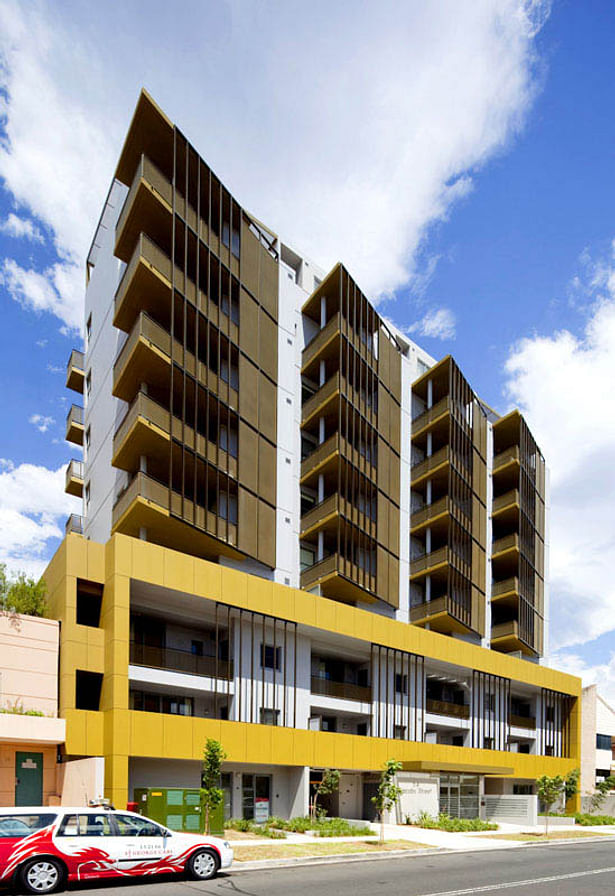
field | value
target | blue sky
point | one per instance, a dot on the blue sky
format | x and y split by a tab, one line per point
458	158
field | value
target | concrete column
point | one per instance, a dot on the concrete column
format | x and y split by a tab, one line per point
322	373
429	393
143	533
142	464
429	444
323	311
321	488
428	497
299	791
144	388
428	541
321	430
428	588
321	546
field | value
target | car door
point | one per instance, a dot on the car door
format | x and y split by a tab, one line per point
143	846
89	843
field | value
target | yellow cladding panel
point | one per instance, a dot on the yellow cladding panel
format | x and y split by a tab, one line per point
180	737
125	556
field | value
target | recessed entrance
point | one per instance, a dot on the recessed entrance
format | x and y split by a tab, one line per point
256	797
460	795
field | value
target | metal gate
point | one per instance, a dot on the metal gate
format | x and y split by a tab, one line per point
460	795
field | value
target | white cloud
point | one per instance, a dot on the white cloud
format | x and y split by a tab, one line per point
350	155
564	384
21	228
53	368
602	674
438	323
41	343
58	289
31	514
41	422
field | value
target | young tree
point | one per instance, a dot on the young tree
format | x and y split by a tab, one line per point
21	594
549	790
388	791
571	783
329	784
211	792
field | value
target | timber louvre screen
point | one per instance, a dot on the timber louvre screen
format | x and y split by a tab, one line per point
490	711
398	693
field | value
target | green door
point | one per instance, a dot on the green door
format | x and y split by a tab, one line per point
28	779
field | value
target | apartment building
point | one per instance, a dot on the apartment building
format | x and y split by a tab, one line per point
300	532
598	741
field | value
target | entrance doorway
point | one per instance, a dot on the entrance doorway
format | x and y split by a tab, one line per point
370	789
256	797
28	779
460	795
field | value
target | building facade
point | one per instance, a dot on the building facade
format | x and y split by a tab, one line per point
301	528
598	741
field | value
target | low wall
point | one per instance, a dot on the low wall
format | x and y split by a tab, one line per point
511	809
607	807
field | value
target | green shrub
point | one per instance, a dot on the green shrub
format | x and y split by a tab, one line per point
585	819
299	825
454	825
239	824
340	827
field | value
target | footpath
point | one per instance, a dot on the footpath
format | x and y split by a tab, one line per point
400	840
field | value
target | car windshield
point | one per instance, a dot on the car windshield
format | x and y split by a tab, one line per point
19	825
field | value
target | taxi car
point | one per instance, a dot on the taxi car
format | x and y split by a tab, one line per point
42	849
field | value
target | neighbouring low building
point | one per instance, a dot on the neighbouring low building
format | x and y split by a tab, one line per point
598	739
301	534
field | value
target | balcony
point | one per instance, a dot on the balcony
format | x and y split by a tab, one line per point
74	425
506	591
506	638
328	453
424	421
506	505
506	459
443	615
527	722
144	357
443	708
145	285
340	579
74	479
143	431
324	399
431	513
425	468
172	520
343	690
327	512
506	546
74	524
426	564
323	343
75	371
184	661
148	207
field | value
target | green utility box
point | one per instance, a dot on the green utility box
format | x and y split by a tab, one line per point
177	808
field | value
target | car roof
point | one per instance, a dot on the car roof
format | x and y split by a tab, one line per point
57	810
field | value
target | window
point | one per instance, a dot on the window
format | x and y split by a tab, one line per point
457	740
307	558
88	438
550	714
267	657
22	825
88	384
196	648
488	743
88	332
172	705
89	603
490	702
177	706
87	690
603	741
362	729
270	716
523	789
135	826
401	684
524	748
91	825
549	751
317	282
328	723
399	732
86	495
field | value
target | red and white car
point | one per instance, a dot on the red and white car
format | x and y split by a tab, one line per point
42	849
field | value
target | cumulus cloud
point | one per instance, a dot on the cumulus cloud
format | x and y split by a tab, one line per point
31	514
438	323
41	422
350	155
563	383
602	674
21	228
58	289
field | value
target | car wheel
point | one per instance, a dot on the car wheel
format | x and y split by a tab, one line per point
42	876
203	865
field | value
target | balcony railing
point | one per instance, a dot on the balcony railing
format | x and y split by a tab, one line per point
75	371
74	416
144	486
74	523
506	586
152	175
443	708
146	407
505	630
510	455
313	348
175	660
507	543
427	417
454	608
507	500
319	397
342	689
74	477
428	561
422	467
522	721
